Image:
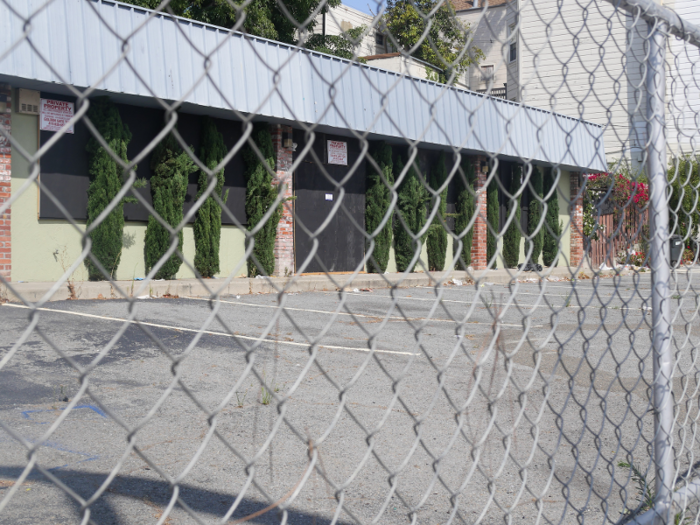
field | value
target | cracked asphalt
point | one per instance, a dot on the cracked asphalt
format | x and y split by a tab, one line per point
493	403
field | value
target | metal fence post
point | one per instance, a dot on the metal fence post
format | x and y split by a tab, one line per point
661	275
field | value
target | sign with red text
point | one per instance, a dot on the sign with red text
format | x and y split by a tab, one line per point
337	152
53	114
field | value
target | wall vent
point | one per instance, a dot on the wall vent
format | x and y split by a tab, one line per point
28	101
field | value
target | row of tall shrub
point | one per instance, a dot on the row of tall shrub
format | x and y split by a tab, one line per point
407	219
171	167
416	202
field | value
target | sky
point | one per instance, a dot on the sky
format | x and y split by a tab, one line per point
363	5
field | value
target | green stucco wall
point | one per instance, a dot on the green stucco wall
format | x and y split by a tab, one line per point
43	250
564	193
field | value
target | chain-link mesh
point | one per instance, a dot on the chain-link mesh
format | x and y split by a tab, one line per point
414	261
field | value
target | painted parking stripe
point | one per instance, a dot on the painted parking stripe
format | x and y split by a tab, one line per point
209	332
327	312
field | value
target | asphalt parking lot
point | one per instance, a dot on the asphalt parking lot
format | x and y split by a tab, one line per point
377	405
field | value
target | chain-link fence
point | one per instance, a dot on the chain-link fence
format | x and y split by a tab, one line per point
304	262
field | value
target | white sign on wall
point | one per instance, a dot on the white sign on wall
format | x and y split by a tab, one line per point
337	152
53	114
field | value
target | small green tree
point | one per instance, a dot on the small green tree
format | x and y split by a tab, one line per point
535	214
171	167
492	219
439	39
465	212
411	207
437	236
105	182
377	201
511	238
259	198
343	45
684	203
552	229
207	223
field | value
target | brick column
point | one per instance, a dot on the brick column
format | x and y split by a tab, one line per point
576	249
479	259
5	182
284	244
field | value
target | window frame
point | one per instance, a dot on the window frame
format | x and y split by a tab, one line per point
484	77
513	46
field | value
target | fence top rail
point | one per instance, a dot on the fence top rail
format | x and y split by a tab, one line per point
652	12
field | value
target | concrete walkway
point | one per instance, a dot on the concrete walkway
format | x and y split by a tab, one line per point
37	291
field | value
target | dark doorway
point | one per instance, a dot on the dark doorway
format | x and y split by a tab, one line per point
341	245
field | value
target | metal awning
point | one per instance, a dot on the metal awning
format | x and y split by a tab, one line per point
77	42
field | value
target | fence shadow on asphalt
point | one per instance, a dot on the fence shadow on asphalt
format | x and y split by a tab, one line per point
156	494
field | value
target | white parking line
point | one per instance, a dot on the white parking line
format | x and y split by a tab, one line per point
394	318
209	332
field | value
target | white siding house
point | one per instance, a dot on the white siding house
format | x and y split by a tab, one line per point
683	86
490	30
343	18
587	62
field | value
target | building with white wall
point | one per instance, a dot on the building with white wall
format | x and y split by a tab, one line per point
587	62
490	29
343	18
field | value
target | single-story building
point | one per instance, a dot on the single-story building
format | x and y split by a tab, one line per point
144	61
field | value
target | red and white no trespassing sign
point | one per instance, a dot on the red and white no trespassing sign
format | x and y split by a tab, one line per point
54	114
337	152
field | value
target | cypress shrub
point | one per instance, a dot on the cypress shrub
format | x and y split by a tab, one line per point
377	201
492	219
259	197
207	223
464	212
105	183
535	214
511	238
437	236
411	207
552	230
171	167
684	210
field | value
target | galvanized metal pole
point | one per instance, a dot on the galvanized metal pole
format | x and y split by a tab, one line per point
661	275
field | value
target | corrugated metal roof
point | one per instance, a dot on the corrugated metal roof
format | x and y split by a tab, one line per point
78	42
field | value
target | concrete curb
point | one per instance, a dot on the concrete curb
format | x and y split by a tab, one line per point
36	291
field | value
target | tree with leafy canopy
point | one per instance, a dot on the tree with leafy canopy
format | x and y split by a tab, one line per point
534	215
171	167
684	202
343	45
512	236
552	229
464	212
445	43
412	198
207	223
265	18
259	198
437	236
106	180
377	202
493	220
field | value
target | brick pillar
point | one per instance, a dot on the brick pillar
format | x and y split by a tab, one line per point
479	259
284	244
576	252
5	182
